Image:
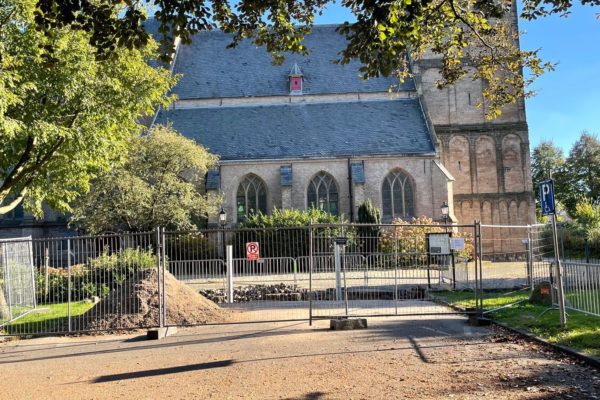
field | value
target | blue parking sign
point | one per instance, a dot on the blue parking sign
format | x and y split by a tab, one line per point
547	197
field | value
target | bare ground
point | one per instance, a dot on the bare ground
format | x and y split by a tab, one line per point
423	358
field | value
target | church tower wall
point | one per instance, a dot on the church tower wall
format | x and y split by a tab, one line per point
490	160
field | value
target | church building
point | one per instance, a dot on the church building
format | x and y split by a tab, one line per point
312	133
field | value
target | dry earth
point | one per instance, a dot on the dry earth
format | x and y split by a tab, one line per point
435	358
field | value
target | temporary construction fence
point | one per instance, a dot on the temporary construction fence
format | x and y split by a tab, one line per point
163	278
17	287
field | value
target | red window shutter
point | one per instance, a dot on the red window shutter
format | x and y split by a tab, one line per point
296	83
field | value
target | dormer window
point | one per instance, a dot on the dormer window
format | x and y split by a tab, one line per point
296	80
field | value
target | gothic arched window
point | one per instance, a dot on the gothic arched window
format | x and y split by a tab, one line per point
397	196
323	193
251	197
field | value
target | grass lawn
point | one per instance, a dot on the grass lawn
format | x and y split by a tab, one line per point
47	318
491	300
582	332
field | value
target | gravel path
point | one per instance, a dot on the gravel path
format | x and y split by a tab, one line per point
423	358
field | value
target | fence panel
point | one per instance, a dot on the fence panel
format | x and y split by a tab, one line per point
17	279
385	270
85	284
582	287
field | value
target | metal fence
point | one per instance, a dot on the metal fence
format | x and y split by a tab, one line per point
582	287
90	283
17	293
143	280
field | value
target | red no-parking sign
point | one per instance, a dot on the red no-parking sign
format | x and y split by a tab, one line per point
252	251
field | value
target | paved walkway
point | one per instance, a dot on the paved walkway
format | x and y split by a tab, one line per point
412	358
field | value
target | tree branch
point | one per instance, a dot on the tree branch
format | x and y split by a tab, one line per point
471	27
13	204
12	178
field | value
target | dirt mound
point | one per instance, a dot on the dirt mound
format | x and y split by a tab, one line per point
135	305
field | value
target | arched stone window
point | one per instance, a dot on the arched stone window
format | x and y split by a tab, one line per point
251	197
397	195
322	193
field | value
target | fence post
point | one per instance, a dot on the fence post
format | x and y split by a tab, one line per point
480	245
229	274
395	268
164	270
46	271
7	280
32	272
69	284
338	272
561	294
528	249
478	294
158	279
310	270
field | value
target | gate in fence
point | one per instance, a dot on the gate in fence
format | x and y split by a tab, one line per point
143	280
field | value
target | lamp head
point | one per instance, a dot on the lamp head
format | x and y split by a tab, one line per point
445	209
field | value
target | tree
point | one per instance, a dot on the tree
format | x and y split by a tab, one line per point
464	33
160	184
587	214
66	116
547	160
582	171
368	236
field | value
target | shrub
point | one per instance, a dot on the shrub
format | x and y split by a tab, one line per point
410	237
191	246
572	237
280	239
290	218
97	277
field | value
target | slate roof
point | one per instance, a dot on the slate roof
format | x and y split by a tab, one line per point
298	130
211	70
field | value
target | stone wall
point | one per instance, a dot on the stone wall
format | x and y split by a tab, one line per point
432	183
488	159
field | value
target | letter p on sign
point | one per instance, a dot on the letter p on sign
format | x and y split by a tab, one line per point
252	251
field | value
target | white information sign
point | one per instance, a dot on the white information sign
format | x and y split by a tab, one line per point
457	243
439	243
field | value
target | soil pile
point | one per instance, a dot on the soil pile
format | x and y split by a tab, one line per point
136	305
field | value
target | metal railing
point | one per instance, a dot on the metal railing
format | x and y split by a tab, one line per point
142	280
582	287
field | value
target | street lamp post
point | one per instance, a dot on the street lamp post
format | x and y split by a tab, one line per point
222	217
445	215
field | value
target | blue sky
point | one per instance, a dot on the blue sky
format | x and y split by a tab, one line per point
568	99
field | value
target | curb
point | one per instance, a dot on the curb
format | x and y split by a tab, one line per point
591	361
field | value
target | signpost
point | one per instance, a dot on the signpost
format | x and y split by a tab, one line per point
547	197
252	251
549	208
